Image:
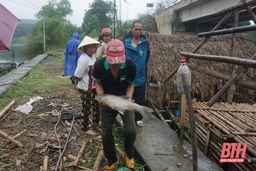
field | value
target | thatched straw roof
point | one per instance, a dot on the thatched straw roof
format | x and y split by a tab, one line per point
165	56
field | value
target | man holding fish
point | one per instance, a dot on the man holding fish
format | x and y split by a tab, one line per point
114	76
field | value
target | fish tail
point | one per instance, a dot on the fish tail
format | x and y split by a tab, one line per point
145	111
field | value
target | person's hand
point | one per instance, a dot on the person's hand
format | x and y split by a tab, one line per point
102	103
128	110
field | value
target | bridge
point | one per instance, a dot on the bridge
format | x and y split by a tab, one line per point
193	16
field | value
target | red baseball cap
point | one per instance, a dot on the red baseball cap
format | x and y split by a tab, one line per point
115	52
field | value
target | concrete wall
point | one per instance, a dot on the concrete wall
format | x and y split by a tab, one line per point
189	10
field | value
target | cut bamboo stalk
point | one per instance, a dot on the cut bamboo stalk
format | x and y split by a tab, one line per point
251	130
96	166
80	153
17	135
3	134
6	109
70	156
244	133
182	116
45	163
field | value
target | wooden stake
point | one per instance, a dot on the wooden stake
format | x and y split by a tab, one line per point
97	163
3	134
80	153
70	156
45	164
6	108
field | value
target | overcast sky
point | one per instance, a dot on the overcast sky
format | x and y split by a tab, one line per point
26	9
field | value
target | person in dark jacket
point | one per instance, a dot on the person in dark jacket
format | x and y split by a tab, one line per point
71	56
137	49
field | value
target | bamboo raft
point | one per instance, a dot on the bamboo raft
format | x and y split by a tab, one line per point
222	122
225	122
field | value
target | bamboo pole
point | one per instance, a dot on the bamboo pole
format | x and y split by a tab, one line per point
251	129
159	114
232	88
182	116
240	5
3	134
226	59
244	133
225	87
96	166
80	153
205	39
192	123
6	109
243	83
251	13
45	163
70	156
178	125
228	31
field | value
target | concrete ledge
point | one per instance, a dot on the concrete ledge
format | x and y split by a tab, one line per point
10	78
161	149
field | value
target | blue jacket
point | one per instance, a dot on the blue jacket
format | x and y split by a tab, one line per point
140	56
71	55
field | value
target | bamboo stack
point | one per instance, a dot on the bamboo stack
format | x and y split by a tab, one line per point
225	122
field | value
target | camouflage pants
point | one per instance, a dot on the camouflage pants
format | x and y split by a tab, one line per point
89	106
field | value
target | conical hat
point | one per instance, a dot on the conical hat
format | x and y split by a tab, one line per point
87	41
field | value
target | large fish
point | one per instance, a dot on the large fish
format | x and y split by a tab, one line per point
121	103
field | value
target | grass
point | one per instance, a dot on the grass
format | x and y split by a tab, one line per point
40	80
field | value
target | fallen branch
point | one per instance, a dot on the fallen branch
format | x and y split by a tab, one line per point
71	157
45	163
3	134
96	166
6	108
17	135
80	154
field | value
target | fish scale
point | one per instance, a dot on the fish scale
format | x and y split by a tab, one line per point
121	103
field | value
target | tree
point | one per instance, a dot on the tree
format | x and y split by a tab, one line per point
99	15
55	31
56	10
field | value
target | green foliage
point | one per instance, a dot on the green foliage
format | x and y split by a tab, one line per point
175	20
55	32
252	36
99	15
35	46
58	10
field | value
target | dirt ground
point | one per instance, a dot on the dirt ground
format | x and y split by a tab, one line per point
44	134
